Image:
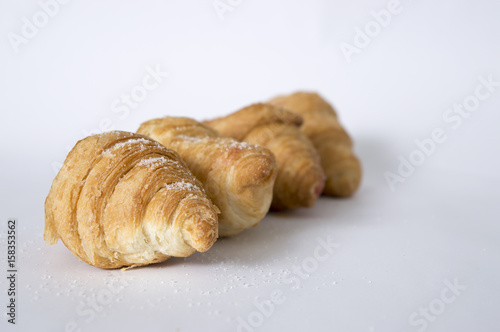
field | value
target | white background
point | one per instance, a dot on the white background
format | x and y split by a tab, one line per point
396	250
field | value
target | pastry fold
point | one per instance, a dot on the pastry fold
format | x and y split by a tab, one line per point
300	178
123	199
237	177
321	125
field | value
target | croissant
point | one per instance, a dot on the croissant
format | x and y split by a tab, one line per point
238	177
122	199
300	178
321	125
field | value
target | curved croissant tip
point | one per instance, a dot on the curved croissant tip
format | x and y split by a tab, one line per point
200	230
319	188
256	170
312	181
343	185
316	188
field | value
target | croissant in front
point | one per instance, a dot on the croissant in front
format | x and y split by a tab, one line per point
123	199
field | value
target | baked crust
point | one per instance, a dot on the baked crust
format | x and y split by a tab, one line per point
237	177
300	177
342	167
123	199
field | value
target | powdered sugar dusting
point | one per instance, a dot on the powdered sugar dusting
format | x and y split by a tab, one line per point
129	142
182	185
108	153
240	145
153	162
191	139
220	143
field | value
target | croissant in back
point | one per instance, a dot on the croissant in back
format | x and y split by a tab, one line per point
322	126
123	199
300	177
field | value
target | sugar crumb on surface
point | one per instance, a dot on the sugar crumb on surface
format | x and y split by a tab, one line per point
181	185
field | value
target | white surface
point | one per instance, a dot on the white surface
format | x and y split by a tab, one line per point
395	249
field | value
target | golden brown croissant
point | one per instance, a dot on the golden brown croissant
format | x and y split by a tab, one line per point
300	178
321	125
238	177
122	199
